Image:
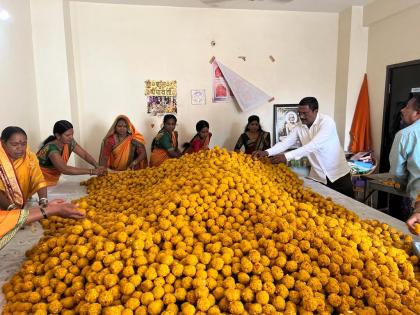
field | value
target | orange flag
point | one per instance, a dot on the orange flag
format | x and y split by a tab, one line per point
360	139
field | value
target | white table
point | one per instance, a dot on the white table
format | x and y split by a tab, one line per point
69	188
13	254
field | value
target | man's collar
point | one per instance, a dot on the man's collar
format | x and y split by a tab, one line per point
316	121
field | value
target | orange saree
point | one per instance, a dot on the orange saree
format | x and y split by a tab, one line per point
160	151
121	155
51	174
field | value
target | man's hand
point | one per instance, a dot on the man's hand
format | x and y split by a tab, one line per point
280	158
414	219
259	154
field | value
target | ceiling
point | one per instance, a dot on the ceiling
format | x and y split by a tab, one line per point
285	5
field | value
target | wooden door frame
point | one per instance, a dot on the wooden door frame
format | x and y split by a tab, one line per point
389	69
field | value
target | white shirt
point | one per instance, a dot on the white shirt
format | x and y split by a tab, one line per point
320	144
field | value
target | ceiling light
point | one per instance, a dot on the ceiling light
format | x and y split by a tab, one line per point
4	15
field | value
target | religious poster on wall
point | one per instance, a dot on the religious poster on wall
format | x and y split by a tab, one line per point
221	92
161	97
286	119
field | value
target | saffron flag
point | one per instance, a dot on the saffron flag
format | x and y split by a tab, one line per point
360	138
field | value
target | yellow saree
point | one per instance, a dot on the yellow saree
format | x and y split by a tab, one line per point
10	223
19	179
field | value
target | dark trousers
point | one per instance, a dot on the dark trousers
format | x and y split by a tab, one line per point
342	185
400	207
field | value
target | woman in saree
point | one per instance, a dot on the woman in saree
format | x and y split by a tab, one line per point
20	175
254	138
12	220
55	153
123	147
165	144
201	140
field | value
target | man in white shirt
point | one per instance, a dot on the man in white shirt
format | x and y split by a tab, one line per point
320	144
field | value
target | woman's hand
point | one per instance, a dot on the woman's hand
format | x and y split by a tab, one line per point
100	171
133	165
64	209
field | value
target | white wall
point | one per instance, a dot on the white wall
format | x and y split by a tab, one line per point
50	57
392	40
342	78
18	104
117	47
351	67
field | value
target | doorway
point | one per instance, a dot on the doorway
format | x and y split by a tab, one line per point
402	81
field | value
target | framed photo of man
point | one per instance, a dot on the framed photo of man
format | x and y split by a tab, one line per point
285	119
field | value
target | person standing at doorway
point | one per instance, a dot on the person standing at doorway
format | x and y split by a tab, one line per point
404	157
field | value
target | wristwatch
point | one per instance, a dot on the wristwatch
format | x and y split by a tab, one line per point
43	201
42	209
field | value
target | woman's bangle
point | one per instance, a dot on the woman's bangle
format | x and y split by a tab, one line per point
90	172
44	213
11	206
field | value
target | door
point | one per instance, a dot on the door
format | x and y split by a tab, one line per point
402	80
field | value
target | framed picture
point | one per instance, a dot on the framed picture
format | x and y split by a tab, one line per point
198	97
285	119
